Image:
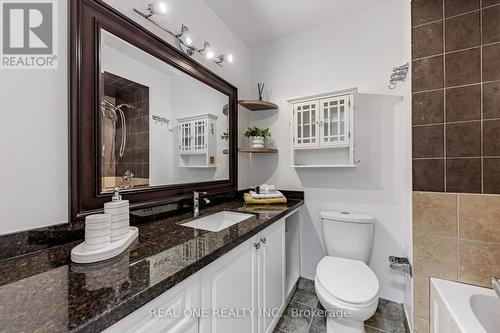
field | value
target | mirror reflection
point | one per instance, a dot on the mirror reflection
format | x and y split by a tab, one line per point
158	125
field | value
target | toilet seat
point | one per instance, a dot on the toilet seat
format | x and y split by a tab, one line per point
348	281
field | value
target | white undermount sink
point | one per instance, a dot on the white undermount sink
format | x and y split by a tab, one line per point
218	221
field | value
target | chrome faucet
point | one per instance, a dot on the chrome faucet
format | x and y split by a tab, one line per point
495	284
196	202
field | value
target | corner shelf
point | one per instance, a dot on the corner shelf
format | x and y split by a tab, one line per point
258	150
255	105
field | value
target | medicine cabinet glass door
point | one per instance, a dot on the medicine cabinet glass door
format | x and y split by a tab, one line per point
305	124
335	121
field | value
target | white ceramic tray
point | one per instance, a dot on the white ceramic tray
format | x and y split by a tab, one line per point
82	255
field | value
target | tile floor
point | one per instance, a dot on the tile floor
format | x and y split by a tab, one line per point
388	318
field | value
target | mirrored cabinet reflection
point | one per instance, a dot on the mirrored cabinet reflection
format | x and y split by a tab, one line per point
197	141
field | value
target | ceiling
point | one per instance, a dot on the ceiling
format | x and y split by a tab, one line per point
257	21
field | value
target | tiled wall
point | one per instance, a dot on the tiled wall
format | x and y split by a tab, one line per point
455	237
456	95
456	145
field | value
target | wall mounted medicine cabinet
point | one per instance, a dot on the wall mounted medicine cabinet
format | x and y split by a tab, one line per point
321	130
197	141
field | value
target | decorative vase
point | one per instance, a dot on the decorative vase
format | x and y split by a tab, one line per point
257	141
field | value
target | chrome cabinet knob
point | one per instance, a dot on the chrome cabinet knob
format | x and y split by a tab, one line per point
263	240
257	246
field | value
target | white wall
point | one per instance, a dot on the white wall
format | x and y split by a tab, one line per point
358	50
34	126
34	143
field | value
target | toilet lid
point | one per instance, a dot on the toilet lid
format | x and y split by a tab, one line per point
350	281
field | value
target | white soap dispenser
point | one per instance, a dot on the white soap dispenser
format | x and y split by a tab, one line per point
120	218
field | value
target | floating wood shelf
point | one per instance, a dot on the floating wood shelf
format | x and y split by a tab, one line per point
258	105
258	150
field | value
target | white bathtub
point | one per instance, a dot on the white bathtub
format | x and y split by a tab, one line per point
463	308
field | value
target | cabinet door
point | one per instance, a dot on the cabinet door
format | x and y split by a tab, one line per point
271	276
305	120
166	313
335	117
199	135
230	283
185	136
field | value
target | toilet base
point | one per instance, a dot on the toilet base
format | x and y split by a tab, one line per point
334	325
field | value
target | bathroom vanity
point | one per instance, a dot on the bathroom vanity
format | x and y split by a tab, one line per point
171	269
251	276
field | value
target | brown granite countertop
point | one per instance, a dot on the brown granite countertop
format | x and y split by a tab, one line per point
45	292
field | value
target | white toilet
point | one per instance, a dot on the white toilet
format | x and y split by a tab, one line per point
344	283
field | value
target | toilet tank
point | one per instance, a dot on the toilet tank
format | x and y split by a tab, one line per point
348	235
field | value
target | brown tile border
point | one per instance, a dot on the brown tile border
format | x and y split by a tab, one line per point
471	82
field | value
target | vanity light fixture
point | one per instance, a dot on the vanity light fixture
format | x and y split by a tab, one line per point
207	50
184	37
156	7
220	59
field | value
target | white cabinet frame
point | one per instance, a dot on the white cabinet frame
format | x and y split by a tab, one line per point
333	129
197	136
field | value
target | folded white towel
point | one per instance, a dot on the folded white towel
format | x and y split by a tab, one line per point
265	188
273	194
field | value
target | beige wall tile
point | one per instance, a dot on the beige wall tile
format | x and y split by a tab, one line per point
435	214
479	217
420	325
478	262
421	297
435	256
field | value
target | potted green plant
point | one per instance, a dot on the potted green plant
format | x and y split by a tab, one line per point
225	135
257	136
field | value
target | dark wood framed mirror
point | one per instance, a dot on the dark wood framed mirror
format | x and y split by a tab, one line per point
144	116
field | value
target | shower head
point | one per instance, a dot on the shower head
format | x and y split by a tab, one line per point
120	106
108	110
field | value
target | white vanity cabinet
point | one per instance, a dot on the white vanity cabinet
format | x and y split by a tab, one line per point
250	277
197	141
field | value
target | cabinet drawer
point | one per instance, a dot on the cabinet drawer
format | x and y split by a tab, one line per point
165	313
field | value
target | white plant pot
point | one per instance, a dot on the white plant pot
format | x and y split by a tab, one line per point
257	142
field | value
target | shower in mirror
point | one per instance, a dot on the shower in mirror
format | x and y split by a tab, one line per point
109	110
124	127
137	151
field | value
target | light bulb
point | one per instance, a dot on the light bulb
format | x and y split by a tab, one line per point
210	54
158	7
188	40
230	58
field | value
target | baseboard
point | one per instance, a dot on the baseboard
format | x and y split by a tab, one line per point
407	322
